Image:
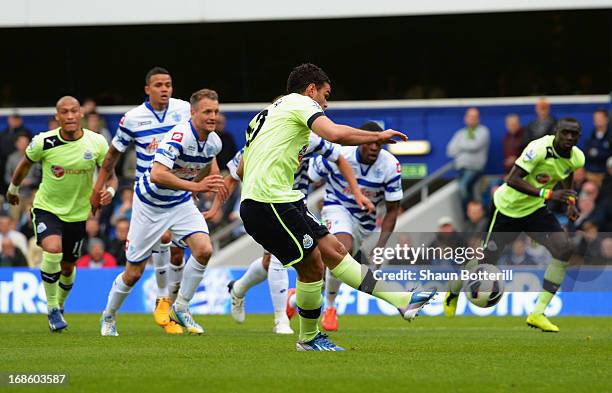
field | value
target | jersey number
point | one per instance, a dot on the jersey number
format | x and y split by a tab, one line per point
259	121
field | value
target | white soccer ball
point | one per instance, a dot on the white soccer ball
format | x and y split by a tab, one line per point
484	287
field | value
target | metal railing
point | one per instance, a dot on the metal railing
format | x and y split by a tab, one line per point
421	186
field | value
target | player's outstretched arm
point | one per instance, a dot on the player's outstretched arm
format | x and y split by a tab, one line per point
515	180
22	170
346	171
346	135
161	175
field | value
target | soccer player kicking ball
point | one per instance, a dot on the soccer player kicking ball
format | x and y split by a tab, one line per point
163	200
69	156
269	266
520	207
378	174
276	217
145	126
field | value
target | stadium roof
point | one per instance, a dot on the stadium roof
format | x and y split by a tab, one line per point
26	13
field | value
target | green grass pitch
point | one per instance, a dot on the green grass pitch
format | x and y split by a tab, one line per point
466	354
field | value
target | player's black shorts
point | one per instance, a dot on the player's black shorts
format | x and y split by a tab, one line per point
72	233
287	230
502	230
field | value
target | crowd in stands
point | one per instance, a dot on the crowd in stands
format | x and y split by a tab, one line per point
469	147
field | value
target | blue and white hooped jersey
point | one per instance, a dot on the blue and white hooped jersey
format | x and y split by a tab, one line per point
146	128
316	145
380	181
182	152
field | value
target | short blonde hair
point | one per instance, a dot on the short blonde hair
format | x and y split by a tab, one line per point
201	94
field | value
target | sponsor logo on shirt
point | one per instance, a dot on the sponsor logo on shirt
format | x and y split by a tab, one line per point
543	178
177	136
398	167
122	121
152	147
144	123
57	171
529	155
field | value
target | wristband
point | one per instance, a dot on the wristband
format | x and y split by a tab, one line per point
546	194
111	191
13	189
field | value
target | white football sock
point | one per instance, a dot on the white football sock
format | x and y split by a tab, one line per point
278	281
175	275
332	286
119	291
253	276
161	260
192	277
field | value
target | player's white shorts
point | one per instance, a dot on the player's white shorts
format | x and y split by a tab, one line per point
149	223
339	220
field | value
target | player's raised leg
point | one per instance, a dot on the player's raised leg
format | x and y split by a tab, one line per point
345	268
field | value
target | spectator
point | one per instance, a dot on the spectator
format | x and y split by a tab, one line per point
447	235
7	230
476	222
25	224
96	256
586	206
606	250
92	229
579	178
94	123
228	149
35	174
124	210
591	243
14	128
598	147
116	246
544	123
469	147
34	256
52	123
90	106
11	256
513	141
517	254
